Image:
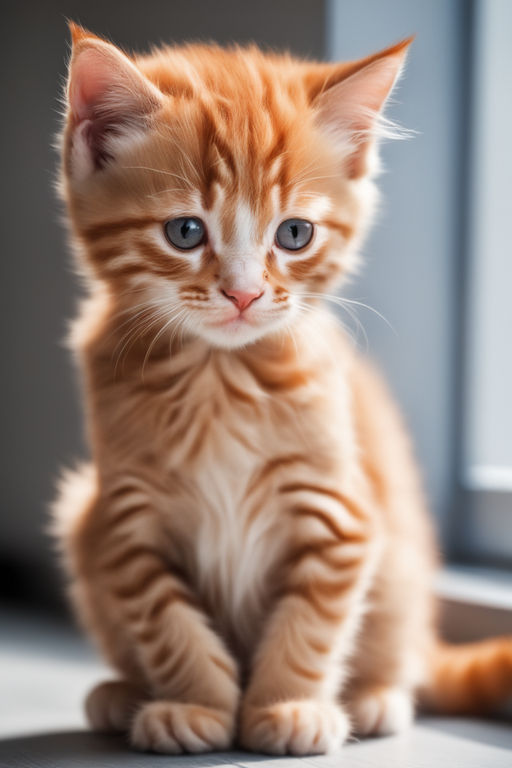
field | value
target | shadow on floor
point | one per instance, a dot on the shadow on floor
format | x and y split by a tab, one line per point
82	749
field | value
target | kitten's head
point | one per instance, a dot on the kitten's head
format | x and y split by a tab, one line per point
222	189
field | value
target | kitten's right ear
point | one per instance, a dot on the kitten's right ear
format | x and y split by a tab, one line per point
108	99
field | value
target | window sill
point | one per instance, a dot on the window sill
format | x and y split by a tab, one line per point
476	602
476	585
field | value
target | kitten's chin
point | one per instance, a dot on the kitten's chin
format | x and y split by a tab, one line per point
234	335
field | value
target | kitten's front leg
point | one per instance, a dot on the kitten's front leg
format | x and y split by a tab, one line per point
124	579
291	702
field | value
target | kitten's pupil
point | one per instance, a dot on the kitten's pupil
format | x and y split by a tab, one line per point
294	230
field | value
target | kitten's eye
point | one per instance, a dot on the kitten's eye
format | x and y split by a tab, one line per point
185	233
294	234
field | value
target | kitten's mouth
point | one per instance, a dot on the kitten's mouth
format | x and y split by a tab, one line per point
237	321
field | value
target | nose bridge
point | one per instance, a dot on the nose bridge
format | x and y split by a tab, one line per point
243	273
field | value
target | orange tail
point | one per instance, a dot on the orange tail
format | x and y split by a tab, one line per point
470	679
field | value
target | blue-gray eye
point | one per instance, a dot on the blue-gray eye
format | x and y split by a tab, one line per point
185	233
294	234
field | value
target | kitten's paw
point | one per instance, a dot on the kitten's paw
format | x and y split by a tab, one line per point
111	706
382	712
304	727
173	728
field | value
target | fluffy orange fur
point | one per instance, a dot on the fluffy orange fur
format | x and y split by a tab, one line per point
249	546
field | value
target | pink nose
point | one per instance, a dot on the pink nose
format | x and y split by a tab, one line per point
242	299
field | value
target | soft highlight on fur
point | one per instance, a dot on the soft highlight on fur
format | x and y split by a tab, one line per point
249	546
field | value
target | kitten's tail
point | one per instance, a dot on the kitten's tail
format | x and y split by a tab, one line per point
474	678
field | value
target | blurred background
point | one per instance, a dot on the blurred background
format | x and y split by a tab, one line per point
438	263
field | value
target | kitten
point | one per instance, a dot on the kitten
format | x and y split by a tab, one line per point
249	547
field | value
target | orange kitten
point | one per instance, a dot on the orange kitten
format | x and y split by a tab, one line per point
249	547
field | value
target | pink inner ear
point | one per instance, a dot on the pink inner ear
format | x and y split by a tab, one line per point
361	96
107	97
104	84
351	106
92	73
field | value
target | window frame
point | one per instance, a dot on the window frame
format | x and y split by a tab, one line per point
481	530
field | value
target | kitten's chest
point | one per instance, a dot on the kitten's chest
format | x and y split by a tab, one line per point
237	539
234	438
222	423
235	533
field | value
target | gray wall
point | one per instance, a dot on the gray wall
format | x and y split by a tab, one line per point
412	257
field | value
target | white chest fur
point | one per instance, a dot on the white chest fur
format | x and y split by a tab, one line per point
228	435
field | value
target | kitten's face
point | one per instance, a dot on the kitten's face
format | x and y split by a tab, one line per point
224	199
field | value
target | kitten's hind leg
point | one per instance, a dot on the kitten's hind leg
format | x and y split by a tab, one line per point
382	711
112	705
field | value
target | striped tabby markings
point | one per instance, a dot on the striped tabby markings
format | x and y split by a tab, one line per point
152	259
123	273
147	569
116	263
108	253
229	670
169	665
318	646
351	506
134	553
262	476
274	465
142	584
345	230
330	524
106	228
301	671
194	289
278	382
160	605
190	298
316	594
160	262
160	655
121	491
301	268
235	392
324	550
191	293
125	514
197	443
240	438
272	267
190	435
174	386
148	634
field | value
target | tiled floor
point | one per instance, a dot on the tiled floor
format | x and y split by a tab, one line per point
45	670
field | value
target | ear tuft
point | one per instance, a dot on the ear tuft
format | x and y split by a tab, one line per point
79	33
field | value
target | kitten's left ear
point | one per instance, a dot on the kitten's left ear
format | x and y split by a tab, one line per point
108	99
348	99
